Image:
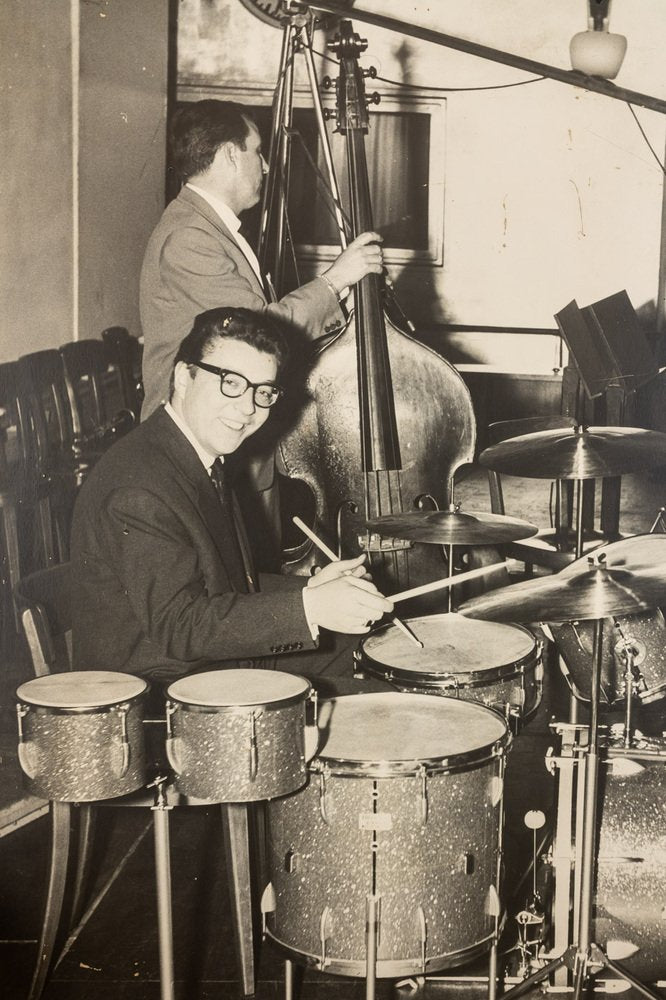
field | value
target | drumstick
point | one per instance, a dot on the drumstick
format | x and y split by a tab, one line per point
323	547
447	581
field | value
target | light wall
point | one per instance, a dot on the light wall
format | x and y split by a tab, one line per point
83	91
551	192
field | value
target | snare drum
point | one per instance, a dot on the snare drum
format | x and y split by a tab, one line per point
237	735
404	803
498	665
81	735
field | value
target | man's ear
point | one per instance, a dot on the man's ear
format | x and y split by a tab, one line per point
181	378
227	155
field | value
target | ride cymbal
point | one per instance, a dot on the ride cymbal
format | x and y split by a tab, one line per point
452	527
577	453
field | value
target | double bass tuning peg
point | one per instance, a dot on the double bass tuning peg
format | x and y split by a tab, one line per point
370	72
373	99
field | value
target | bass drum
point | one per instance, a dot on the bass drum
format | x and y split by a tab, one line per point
404	808
630	908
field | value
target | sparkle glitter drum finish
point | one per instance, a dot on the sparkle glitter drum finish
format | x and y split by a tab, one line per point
404	804
237	735
646	634
496	664
630	920
81	735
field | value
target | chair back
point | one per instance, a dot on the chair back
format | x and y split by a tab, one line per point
96	393
44	603
50	446
126	352
12	429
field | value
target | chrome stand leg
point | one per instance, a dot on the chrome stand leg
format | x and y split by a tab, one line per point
492	971
371	934
163	881
288	979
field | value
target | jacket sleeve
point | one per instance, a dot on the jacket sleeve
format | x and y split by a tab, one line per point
186	613
196	268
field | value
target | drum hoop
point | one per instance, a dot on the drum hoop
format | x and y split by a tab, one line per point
275	705
505	671
451	764
124	705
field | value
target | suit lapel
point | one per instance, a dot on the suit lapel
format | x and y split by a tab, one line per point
218	522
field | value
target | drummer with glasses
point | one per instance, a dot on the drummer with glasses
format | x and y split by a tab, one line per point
163	574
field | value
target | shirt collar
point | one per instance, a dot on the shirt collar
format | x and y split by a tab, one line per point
205	458
229	217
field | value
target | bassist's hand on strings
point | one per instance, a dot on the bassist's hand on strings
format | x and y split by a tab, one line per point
363	256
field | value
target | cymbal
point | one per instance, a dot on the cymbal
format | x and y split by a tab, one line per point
577	453
596	591
452	527
640	554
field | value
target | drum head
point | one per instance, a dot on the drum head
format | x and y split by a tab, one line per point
393	727
452	644
79	689
236	688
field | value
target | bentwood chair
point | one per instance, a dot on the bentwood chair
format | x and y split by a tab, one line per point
126	352
44	601
96	394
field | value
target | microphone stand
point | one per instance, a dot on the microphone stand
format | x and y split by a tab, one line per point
584	957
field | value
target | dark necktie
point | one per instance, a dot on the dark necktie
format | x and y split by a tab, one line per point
222	482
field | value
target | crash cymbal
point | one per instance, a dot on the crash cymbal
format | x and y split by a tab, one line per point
596	591
452	527
577	453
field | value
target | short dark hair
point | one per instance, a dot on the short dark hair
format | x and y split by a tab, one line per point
198	130
210	327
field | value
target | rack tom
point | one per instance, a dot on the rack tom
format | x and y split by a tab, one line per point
496	664
237	735
81	735
404	807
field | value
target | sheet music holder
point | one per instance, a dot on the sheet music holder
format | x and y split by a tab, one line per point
607	344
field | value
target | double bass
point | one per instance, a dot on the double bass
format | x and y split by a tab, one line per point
387	420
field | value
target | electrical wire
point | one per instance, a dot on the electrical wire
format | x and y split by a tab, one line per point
647	141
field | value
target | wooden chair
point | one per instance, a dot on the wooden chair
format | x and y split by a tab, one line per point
126	352
51	447
44	600
96	396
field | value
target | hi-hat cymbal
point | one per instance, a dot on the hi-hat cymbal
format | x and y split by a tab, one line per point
577	453
595	591
640	554
452	527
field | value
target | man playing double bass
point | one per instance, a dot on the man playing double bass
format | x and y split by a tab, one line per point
197	259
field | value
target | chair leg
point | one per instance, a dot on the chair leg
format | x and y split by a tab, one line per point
86	829
12	554
45	519
237	851
60	837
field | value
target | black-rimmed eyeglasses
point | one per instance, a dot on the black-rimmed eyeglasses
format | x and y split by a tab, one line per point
234	385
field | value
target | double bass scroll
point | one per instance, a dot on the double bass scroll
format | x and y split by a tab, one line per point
371	445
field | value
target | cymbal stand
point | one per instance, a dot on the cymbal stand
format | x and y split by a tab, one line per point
584	958
296	38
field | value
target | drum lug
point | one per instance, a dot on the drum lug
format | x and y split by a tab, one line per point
467	864
26	754
423	927
323	774
291	861
324	934
254	761
172	742
124	742
423	777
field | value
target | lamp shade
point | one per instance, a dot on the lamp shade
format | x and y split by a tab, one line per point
597	51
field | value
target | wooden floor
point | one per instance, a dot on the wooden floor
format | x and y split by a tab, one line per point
113	952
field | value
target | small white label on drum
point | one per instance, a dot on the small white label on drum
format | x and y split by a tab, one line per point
375	821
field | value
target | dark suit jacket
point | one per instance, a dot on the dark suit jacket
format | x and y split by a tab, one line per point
159	582
193	263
